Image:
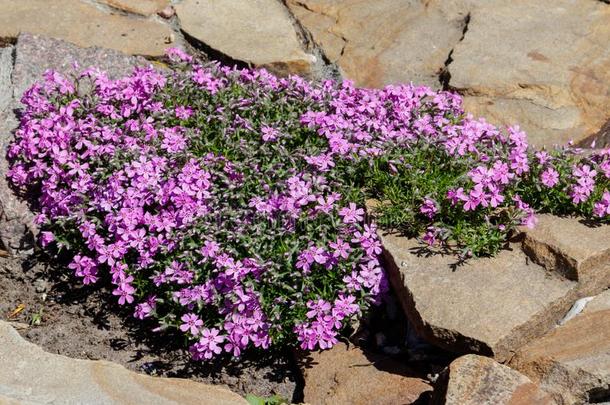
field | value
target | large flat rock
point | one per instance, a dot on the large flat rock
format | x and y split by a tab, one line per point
569	246
85	25
489	306
382	42
477	380
252	31
573	360
30	375
346	375
542	64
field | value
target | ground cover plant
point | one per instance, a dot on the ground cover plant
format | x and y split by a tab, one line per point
229	204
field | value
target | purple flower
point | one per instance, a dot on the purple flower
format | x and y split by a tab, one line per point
208	345
351	214
428	208
549	177
191	323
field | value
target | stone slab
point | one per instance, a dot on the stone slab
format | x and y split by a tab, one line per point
32	376
489	306
573	360
382	42
477	380
544	65
259	32
85	25
569	246
346	375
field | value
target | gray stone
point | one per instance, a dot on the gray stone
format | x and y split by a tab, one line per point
252	31
544	65
572	248
489	306
573	360
477	380
30	375
382	42
84	25
6	68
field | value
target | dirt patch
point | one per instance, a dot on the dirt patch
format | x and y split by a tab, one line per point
50	310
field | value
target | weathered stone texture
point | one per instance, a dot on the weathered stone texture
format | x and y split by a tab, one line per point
573	360
489	306
30	375
382	42
252	31
85	25
346	375
544	65
477	380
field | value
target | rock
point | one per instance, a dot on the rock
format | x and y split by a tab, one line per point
252	31
6	68
84	25
33	55
489	306
142	7
34	376
542	64
382	42
167	12
577	251
345	375
573	360
477	380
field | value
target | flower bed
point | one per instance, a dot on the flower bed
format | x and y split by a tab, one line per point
228	204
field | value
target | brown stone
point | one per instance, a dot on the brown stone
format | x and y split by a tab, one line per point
252	31
382	42
489	306
30	375
542	64
142	7
573	360
84	25
568	246
477	380
345	375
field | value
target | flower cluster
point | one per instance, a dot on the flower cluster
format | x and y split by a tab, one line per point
189	193
228	204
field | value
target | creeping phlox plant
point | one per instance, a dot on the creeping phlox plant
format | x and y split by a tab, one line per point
228	203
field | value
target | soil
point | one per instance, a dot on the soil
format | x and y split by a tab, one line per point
48	309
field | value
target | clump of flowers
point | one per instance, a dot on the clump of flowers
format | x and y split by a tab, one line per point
229	204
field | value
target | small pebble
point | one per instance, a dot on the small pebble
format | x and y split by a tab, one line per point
167	12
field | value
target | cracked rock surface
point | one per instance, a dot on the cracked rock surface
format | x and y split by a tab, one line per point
385	41
544	65
573	360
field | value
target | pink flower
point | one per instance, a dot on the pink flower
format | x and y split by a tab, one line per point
428	208
351	214
191	323
549	177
